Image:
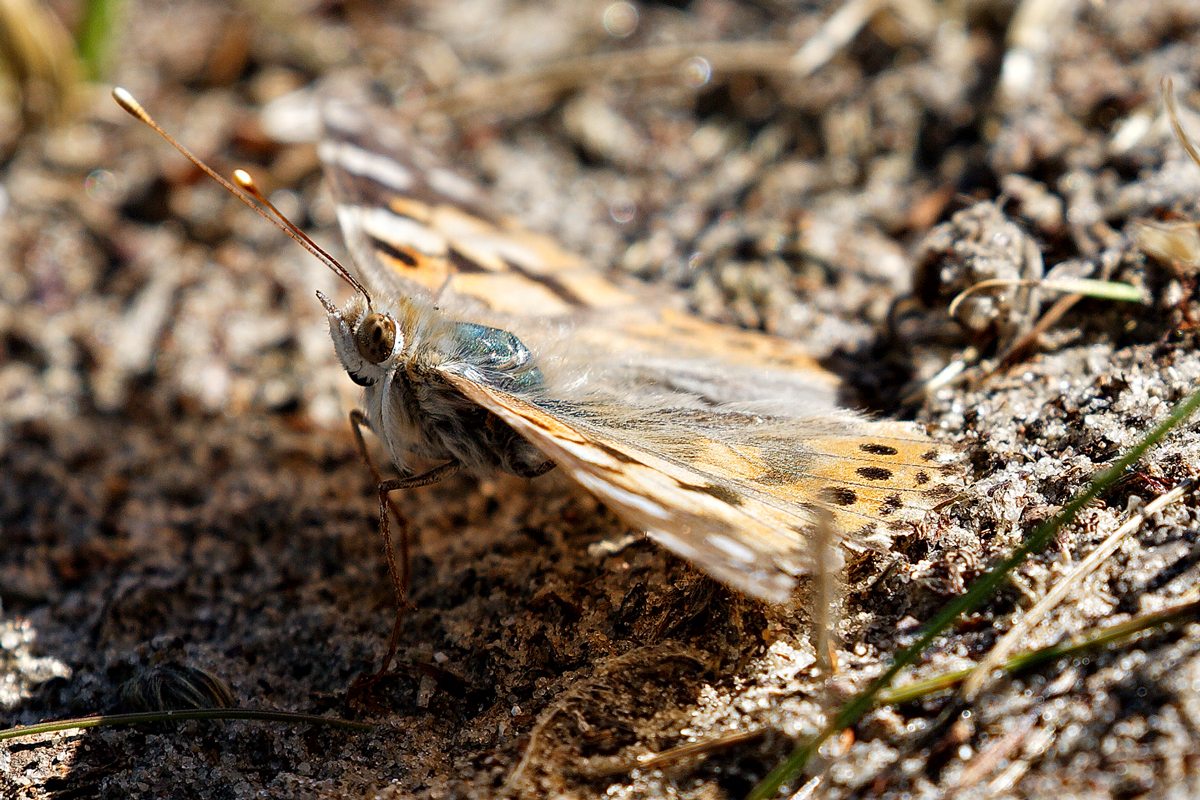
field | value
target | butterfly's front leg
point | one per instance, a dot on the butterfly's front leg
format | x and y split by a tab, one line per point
358	421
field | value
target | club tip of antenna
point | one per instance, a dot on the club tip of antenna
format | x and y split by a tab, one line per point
126	101
247	184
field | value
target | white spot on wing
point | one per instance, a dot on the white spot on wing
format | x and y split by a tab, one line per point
735	550
394	229
675	544
366	164
619	496
764	583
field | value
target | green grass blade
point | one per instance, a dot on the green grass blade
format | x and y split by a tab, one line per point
96	33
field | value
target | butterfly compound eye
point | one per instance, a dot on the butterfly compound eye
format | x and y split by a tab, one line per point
376	337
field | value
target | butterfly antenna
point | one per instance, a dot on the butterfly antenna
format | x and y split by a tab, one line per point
244	190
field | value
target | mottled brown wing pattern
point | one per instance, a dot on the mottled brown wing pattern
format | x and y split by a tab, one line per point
725	445
736	539
416	227
744	516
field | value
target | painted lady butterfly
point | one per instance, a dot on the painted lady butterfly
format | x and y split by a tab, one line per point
481	345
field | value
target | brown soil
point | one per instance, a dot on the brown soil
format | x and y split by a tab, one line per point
181	491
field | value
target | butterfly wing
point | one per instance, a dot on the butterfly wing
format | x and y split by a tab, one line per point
739	498
416	228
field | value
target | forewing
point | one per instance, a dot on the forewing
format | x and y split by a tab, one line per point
415	227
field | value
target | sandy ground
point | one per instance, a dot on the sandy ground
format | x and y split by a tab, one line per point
180	488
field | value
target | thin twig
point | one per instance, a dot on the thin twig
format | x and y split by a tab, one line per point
514	92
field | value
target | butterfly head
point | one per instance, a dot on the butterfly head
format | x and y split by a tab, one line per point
365	339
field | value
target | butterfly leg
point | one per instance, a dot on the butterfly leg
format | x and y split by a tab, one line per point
358	421
387	508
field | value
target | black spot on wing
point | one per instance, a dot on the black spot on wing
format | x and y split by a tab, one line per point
464	265
616	454
839	495
890	505
874	473
400	254
553	285
878	449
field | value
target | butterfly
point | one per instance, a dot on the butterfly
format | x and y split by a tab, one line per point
482	345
